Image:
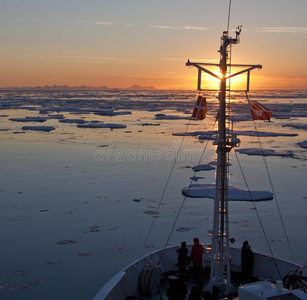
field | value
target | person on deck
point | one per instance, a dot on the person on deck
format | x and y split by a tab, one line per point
182	257
249	260
197	253
243	257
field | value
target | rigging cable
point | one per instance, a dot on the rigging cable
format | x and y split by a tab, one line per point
272	187
183	201
258	216
164	190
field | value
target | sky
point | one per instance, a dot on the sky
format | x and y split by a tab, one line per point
119	43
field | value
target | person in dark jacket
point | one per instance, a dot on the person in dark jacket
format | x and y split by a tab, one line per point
182	257
243	257
249	260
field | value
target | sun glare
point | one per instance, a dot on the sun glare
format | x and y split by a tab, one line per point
212	83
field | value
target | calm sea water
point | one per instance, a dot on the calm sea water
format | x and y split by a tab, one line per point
76	203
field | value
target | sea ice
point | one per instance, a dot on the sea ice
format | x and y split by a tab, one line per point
303	144
183	229
194	133
29	119
195	178
264	152
298	126
94	228
55	117
204	167
150	124
170	117
78	121
39	128
65	242
111	113
234	193
204	135
263	133
101	125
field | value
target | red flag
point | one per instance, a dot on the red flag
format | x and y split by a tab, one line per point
200	108
259	112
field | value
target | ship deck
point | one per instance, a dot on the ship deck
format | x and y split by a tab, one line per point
192	284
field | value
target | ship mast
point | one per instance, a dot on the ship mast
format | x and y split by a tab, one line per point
220	261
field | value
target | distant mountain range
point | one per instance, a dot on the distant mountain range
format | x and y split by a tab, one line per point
79	88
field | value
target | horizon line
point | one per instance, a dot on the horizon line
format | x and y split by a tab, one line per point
132	87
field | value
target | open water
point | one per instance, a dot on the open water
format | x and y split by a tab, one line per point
76	204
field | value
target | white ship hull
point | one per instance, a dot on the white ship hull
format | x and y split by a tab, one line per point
125	283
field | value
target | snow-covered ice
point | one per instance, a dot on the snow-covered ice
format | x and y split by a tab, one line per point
203	167
170	117
39	128
263	133
297	126
264	152
101	125
29	119
235	193
303	144
78	121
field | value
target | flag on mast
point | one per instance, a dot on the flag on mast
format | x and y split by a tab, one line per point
259	112
200	108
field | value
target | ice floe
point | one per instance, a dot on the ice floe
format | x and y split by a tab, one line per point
15	287
57	117
101	125
194	133
94	228
297	126
303	144
234	193
204	135
78	121
29	119
150	124
195	178
263	133
183	229
111	113
65	242
170	117
264	152
204	167
39	128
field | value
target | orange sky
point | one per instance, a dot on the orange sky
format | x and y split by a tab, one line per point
125	42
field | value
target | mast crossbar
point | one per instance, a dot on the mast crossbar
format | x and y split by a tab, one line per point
203	69
243	71
200	68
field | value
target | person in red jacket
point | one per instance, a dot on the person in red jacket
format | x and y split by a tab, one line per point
197	253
